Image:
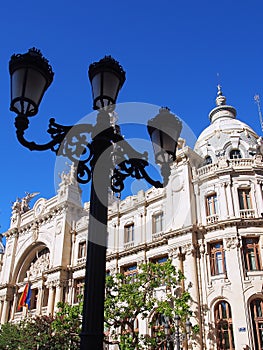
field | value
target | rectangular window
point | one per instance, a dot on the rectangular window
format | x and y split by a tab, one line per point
79	289
211	205
34	297
159	260
130	271
251	254
244	197
45	296
82	250
129	233
157	222
217	258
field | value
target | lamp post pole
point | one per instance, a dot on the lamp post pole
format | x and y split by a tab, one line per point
177	336
93	304
92	333
31	75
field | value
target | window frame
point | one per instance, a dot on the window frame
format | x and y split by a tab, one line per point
208	160
247	249
160	217
79	285
235	154
129	233
131	271
223	325
215	260
244	198
211	207
82	249
257	321
161	259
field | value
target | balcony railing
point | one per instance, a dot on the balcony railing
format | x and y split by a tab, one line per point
81	260
212	219
230	163
157	235
128	245
247	213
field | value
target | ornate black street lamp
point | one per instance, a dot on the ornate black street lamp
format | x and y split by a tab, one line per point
106	160
177	337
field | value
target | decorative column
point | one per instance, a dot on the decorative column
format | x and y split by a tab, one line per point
224	208
197	200
6	306
259	191
14	306
59	293
1	306
189	251
39	300
51	295
70	291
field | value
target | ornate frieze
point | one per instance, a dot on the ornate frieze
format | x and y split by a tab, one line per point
39	266
232	242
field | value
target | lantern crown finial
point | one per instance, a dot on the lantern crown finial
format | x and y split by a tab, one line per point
32	57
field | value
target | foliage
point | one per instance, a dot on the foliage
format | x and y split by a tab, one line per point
126	299
60	332
130	297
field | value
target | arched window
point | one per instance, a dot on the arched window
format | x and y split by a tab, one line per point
256	307
235	154
208	160
224	327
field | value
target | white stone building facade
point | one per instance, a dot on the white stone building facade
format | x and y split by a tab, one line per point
208	220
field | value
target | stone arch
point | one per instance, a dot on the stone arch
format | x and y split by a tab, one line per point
25	260
242	147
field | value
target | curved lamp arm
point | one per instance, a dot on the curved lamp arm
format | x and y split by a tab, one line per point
57	131
72	142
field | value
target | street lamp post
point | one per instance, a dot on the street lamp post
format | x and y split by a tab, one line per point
107	160
177	337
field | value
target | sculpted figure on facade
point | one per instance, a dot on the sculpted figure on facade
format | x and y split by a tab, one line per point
21	205
259	146
69	178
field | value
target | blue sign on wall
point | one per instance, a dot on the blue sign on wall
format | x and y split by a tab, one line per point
242	329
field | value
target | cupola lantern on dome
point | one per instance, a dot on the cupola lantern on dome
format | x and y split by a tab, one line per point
222	110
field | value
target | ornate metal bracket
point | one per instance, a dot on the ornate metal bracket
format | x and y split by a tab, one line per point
73	142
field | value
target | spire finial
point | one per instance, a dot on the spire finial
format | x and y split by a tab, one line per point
220	100
219	91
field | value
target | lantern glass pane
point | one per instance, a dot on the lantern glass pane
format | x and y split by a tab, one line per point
155	137
17	83
35	86
169	144
110	85
96	85
161	156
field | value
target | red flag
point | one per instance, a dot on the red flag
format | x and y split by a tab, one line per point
22	300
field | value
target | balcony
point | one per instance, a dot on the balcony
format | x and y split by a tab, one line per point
212	219
128	245
157	235
247	213
81	260
241	163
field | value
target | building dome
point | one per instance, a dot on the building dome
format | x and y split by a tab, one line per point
225	134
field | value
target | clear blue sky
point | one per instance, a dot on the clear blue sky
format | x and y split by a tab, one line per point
171	50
